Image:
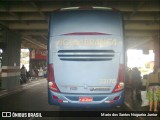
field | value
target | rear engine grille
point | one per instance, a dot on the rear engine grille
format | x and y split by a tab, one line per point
85	55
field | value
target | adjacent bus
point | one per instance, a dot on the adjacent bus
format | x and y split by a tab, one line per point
86	57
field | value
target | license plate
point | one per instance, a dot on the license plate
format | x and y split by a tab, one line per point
85	99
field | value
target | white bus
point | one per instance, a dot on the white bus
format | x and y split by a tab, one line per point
86	57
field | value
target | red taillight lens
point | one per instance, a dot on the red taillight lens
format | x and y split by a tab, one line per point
60	101
121	74
51	80
50	73
120	85
55	97
53	87
116	98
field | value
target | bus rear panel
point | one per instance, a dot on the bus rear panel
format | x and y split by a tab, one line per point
86	58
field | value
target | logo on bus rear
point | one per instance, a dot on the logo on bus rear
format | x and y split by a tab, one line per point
100	89
73	88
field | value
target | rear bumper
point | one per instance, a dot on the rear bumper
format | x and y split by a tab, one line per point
99	100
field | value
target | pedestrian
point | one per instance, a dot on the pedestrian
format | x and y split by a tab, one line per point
40	72
144	99
33	74
36	72
23	74
136	83
129	76
143	82
28	75
153	89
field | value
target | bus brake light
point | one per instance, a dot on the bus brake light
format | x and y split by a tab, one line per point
120	85
51	80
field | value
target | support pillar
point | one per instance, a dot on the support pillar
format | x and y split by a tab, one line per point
10	67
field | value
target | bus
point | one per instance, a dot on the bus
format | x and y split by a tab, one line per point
86	57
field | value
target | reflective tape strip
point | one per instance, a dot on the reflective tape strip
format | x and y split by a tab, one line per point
10	67
8	71
9	74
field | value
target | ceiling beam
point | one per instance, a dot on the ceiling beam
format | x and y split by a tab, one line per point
35	17
142	17
35	42
39	10
140	33
127	32
30	26
44	37
141	26
50	7
22	45
140	44
29	16
25	44
33	32
136	8
44	26
12	14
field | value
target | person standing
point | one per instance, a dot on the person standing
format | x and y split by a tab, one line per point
36	72
23	74
153	89
136	81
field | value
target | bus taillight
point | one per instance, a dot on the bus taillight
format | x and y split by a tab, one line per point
120	84
52	85
119	87
121	74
